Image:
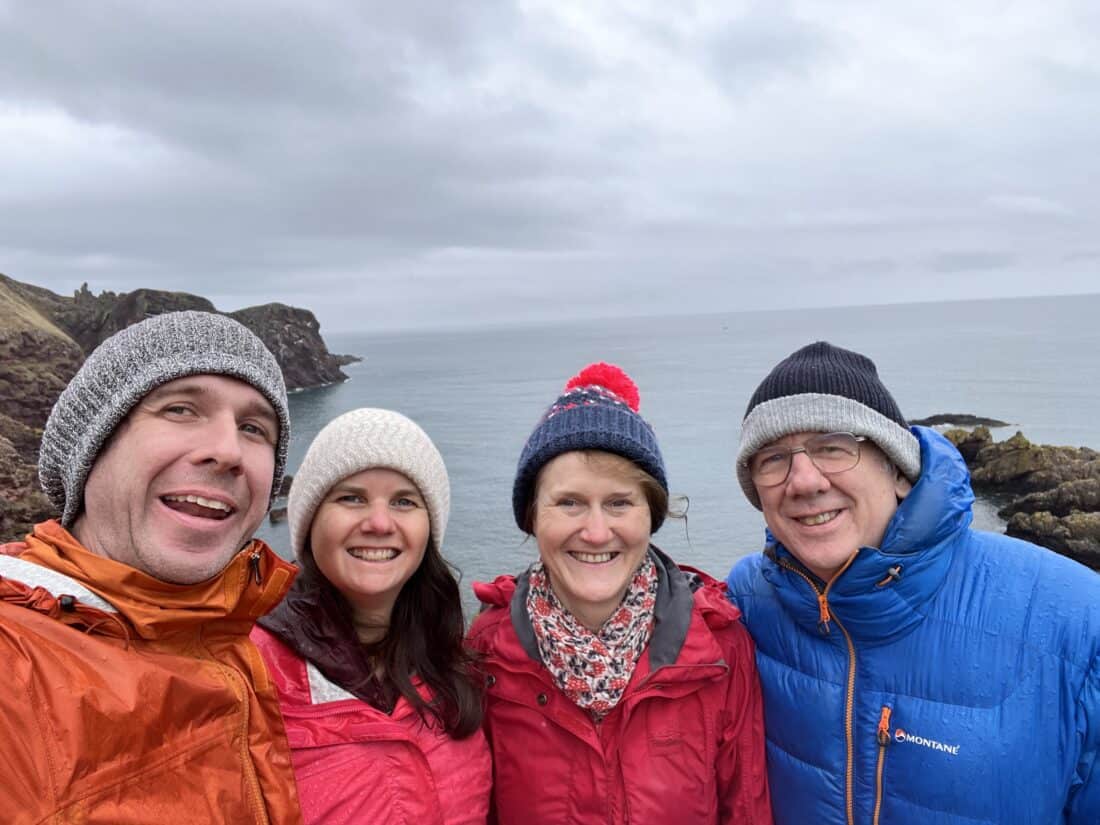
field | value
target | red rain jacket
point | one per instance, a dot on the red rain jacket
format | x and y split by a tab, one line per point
355	764
684	744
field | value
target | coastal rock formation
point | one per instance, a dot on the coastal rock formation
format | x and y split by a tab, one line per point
22	504
1076	535
44	338
294	336
958	420
1055	490
36	359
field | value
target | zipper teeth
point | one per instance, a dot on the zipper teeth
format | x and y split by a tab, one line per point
849	704
252	779
849	697
883	741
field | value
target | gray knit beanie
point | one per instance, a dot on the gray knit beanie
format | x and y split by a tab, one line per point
127	367
366	439
822	388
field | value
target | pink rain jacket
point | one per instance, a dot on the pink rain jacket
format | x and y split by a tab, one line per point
355	764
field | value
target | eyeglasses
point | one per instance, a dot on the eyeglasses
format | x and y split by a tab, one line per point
831	453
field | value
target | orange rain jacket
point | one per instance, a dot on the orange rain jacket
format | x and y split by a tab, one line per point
151	707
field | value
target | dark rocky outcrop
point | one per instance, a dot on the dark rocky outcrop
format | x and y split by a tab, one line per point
294	336
958	420
1076	535
1054	492
44	338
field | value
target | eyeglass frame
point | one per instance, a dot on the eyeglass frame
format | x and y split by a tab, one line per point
791	451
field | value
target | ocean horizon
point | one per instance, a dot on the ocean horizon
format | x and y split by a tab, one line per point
479	391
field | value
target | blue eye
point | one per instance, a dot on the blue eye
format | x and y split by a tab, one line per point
253	429
405	503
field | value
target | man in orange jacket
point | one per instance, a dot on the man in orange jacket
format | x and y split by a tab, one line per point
132	693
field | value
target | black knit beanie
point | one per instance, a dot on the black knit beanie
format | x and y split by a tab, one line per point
823	388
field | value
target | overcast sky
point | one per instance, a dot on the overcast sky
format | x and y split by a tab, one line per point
393	164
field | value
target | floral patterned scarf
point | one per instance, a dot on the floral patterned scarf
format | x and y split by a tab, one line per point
593	669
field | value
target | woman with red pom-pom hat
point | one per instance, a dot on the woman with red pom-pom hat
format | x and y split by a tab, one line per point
621	687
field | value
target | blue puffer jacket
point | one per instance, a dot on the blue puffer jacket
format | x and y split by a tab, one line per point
965	688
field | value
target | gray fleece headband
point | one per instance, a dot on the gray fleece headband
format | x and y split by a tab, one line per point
127	367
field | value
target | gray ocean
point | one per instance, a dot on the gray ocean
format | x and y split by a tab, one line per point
478	392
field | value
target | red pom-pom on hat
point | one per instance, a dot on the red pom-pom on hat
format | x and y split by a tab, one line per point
609	377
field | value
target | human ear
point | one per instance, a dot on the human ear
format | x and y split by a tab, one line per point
902	485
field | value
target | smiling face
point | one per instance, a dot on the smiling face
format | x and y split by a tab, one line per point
824	519
368	537
184	480
592	524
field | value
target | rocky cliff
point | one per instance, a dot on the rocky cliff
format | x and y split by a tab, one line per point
1054	491
44	338
294	336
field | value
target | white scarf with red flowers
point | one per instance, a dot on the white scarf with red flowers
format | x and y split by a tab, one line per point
593	669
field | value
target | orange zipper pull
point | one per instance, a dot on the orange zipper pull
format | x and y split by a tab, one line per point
884	726
823	615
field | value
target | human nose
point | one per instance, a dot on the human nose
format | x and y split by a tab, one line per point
221	444
377	519
596	530
804	478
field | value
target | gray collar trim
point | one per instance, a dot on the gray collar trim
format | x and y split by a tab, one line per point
35	575
321	690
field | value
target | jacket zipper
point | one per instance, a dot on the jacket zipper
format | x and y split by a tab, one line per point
251	778
825	616
883	736
254	563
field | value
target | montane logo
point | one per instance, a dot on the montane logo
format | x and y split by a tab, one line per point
901	736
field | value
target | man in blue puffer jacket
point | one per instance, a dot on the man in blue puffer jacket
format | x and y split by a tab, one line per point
914	670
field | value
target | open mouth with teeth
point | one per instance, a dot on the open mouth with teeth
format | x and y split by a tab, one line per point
373	553
819	518
198	506
593	558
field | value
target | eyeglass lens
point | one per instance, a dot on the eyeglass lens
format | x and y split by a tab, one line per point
830	453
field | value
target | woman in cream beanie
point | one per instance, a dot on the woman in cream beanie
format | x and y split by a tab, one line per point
381	705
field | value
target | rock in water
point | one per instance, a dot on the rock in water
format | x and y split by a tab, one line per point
958	420
1056	489
1076	535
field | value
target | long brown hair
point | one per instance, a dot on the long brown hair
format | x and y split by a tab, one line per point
425	641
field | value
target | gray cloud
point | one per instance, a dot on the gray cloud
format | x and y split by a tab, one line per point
491	161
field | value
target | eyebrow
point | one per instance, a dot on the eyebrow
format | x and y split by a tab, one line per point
575	494
404	492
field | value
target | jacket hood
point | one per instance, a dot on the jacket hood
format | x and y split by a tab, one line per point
870	602
155	609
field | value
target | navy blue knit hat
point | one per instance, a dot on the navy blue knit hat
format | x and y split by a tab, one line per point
597	411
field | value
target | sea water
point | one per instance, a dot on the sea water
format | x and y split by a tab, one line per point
478	392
